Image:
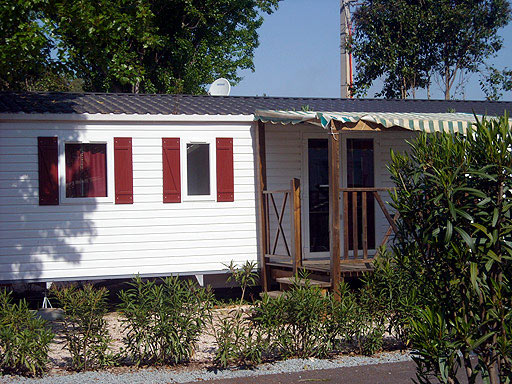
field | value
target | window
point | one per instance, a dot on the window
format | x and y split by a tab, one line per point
360	174
86	170
198	169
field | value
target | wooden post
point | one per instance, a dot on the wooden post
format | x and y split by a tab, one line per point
355	240
334	206
296	222
345	225
365	226
261	161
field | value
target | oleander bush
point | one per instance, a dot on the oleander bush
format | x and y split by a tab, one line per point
85	328
24	338
454	197
238	339
301	319
390	295
163	320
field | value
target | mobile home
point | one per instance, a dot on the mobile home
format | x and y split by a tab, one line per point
97	186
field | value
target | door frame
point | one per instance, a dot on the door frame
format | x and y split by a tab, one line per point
306	254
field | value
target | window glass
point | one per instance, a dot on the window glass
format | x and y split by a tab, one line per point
318	170
360	174
198	169
86	170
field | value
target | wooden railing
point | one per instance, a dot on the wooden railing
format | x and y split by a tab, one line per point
292	243
355	218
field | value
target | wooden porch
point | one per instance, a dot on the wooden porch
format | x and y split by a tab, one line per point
349	248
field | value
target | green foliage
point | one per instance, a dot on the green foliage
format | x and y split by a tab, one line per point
164	320
409	42
238	340
24	338
494	82
392	294
85	328
461	243
244	276
155	46
437	353
24	44
299	329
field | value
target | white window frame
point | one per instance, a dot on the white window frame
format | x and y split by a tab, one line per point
305	196
87	139
184	140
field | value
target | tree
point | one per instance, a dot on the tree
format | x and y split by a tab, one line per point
24	45
157	45
391	40
494	82
454	196
410	41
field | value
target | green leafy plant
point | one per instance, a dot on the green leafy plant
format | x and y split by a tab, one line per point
391	295
238	340
296	323
85	327
24	338
454	196
244	276
164	319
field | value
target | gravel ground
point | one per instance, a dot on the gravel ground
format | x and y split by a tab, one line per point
180	375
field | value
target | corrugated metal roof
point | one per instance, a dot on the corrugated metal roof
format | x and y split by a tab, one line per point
154	104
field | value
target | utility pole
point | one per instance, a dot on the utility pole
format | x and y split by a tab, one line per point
346	57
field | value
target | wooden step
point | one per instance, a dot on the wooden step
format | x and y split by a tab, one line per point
292	280
272	294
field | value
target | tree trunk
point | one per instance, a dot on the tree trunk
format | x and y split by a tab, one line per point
446	83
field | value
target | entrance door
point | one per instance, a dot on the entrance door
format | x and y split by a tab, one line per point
360	174
315	201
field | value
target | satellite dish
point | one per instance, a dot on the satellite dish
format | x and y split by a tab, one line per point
220	87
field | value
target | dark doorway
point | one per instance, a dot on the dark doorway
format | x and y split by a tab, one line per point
318	185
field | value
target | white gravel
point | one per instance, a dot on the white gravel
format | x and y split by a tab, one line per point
177	375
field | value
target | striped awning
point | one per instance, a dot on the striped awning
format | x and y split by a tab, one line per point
428	122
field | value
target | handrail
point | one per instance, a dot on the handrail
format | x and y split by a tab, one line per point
367	189
267	192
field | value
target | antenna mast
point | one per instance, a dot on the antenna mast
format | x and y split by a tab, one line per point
346	57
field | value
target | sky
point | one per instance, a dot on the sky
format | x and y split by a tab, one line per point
299	55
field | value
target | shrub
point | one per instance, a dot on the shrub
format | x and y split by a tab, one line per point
295	322
238	339
343	318
454	197
85	329
24	338
163	321
390	295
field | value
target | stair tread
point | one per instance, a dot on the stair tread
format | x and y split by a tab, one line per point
273	294
291	280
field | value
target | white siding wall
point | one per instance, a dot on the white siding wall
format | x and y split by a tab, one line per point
79	240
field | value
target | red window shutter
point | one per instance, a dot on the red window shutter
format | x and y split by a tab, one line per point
171	170
48	159
225	178
123	169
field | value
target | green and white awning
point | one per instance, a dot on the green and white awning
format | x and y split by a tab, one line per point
427	122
